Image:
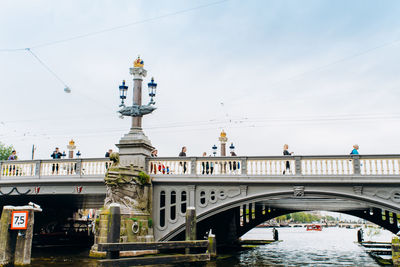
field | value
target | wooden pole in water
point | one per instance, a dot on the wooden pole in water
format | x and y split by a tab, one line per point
7	244
212	245
396	251
114	229
190	225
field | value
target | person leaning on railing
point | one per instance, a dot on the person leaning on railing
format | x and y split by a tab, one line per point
13	156
56	155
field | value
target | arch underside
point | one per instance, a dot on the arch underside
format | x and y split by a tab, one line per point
234	219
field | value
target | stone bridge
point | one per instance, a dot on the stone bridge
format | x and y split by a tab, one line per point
231	194
234	194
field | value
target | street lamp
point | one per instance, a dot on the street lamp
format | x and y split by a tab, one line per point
123	90
152	90
214	148
232	147
137	110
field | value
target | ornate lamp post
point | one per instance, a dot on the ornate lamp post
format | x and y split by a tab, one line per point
223	139
135	146
71	147
214	148
232	148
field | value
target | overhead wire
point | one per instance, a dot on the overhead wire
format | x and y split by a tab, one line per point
191	126
182	11
46	67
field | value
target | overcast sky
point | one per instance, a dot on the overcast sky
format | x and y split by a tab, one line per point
318	75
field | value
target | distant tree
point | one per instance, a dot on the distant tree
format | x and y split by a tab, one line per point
5	151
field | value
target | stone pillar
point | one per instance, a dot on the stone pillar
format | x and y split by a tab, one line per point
114	229
16	245
137	94
23	245
135	146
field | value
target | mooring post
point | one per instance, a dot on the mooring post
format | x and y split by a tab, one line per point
23	246
396	251
190	225
212	245
114	229
16	233
6	240
275	234
360	235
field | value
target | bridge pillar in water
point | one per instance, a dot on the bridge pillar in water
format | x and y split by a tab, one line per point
16	245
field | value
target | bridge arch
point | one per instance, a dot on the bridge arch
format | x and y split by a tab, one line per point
381	211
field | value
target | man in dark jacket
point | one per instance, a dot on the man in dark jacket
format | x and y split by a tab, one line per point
56	155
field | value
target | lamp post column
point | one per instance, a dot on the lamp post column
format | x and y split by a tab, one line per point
138	74
223	139
135	146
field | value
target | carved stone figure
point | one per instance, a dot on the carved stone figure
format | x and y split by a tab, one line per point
129	186
137	111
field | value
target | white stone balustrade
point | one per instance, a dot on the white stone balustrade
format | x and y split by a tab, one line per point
327	166
339	165
170	166
364	165
380	166
271	166
43	168
13	169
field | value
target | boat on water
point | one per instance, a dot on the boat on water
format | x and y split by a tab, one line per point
314	227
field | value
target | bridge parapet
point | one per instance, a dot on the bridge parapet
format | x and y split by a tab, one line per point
332	165
63	167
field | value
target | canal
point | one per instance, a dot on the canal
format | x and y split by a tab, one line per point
330	247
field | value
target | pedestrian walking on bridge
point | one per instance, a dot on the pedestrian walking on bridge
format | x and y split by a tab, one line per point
183	154
286	153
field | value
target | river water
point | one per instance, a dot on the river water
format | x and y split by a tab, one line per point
298	247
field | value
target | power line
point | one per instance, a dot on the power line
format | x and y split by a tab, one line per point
46	67
118	27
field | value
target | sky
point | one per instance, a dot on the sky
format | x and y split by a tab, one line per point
317	75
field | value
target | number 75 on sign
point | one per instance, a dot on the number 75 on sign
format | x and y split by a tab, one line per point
19	220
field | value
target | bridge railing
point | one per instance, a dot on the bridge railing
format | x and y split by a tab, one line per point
329	165
62	167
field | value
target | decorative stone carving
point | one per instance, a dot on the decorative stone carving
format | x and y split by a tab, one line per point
298	191
395	196
358	190
233	192
243	190
128	186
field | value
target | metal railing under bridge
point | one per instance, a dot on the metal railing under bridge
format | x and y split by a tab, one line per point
337	165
